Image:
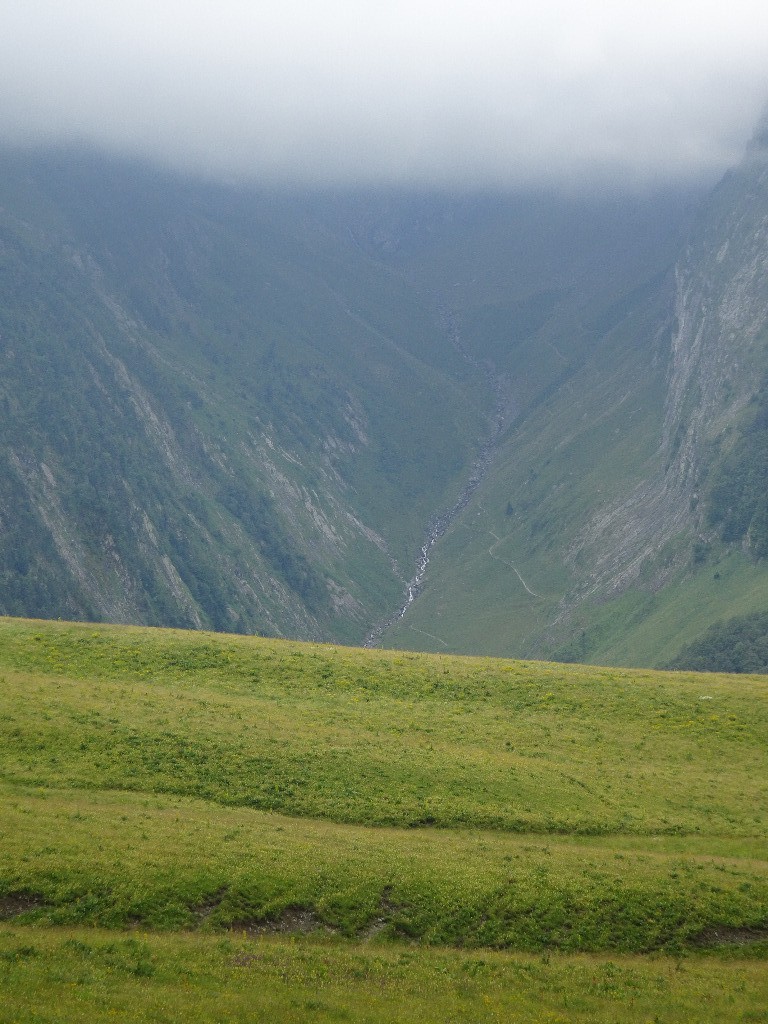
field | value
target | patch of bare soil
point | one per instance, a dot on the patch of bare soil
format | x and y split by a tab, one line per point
203	910
18	903
387	909
246	959
292	921
725	935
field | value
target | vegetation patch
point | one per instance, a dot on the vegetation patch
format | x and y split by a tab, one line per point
737	492
291	921
738	645
63	975
246	790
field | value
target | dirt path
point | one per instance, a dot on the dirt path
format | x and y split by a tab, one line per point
504	561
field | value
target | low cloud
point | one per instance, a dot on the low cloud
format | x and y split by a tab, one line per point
372	91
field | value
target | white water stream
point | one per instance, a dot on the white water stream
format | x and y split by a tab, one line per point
502	415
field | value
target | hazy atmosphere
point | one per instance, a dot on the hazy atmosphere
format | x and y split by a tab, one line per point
413	92
383	511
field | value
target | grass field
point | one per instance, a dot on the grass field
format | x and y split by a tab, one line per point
96	975
253	820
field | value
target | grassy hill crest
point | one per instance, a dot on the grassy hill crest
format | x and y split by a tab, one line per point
225	798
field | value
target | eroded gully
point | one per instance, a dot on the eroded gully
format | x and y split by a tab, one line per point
503	413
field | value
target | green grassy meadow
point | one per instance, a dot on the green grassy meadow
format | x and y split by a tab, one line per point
95	975
207	827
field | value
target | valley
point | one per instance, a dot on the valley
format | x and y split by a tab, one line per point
483	423
383	513
500	419
595	536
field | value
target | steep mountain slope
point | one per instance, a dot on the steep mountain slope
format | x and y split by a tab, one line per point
215	413
240	410
607	531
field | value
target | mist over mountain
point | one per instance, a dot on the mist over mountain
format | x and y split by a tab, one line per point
452	95
249	409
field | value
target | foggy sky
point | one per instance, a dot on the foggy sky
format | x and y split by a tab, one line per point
412	91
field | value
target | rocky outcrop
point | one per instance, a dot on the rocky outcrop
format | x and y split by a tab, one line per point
718	336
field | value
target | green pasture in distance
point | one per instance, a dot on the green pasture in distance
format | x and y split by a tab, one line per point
64	975
383	738
308	832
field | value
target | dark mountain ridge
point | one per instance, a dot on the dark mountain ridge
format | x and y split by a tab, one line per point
193	431
636	519
239	409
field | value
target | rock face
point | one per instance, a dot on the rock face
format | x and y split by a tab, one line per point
716	361
630	495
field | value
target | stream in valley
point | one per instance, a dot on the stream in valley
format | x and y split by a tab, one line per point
503	413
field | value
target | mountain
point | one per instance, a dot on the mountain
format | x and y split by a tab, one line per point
215	413
627	510
247	410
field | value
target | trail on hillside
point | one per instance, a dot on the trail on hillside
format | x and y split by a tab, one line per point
504	410
505	561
